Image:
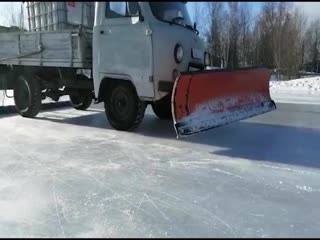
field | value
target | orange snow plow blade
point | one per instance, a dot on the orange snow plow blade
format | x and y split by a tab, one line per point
209	99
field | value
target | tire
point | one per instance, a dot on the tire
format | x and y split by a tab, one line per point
162	108
123	108
27	96
81	101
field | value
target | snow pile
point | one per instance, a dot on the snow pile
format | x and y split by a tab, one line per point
4	101
305	86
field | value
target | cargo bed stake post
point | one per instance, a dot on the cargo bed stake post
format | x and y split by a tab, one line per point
71	50
40	47
19	49
29	20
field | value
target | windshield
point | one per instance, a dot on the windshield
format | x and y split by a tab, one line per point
174	12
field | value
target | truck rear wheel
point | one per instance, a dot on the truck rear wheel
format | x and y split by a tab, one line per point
82	100
123	107
162	108
27	96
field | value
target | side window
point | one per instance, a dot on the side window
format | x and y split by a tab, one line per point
121	9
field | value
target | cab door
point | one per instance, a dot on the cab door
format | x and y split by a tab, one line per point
123	46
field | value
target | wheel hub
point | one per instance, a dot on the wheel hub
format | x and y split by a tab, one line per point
120	104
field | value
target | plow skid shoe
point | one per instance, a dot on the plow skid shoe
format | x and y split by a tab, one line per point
208	99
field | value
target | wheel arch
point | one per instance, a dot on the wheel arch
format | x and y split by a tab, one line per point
108	82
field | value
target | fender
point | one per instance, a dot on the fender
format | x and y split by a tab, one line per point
138	85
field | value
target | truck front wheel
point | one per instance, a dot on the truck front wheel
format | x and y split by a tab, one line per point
27	96
82	100
123	107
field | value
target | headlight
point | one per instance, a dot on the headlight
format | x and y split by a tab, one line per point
178	53
207	59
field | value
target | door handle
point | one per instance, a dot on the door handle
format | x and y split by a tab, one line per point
101	31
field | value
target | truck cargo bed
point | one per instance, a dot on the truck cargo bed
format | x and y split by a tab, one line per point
65	48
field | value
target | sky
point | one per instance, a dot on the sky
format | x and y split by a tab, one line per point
311	9
255	6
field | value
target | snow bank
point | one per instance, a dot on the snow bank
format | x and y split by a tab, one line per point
299	91
305	86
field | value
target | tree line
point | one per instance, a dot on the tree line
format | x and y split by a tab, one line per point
277	37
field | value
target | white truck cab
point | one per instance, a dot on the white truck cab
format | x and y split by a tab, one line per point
146	43
135	53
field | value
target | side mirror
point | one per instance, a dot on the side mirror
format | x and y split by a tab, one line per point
134	10
195	25
141	18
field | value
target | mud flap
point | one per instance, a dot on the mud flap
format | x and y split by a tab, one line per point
208	99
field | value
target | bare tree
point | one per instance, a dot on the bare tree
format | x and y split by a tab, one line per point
280	31
312	45
281	35
274	38
215	34
234	31
294	48
265	29
245	35
199	17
